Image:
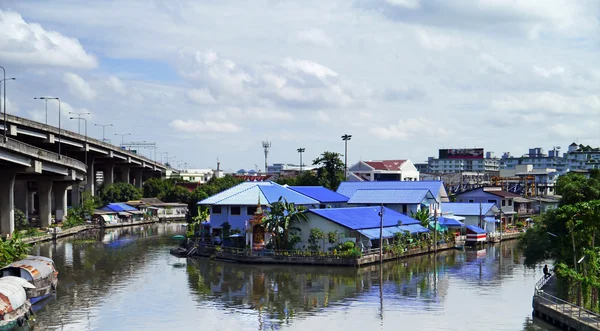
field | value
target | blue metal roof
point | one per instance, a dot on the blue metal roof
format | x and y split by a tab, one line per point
390	231
119	207
414	228
390	196
450	222
434	186
467	208
363	217
248	193
475	229
320	193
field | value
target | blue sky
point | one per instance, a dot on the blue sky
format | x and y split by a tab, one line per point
212	79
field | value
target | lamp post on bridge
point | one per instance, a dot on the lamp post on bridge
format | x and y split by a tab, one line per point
85	147
4	79
59	128
79	114
46	100
103	128
122	137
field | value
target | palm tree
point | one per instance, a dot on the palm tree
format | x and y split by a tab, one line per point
280	218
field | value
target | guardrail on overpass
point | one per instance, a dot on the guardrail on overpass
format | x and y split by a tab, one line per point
42	154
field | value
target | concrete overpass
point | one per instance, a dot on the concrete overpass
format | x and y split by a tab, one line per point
116	163
21	164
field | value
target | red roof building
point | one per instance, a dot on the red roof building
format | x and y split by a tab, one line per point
383	170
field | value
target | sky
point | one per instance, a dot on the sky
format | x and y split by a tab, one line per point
210	80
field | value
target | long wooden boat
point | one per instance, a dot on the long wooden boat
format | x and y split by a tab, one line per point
39	271
15	309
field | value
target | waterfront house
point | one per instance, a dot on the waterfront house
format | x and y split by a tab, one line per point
105	217
478	214
238	205
163	211
126	212
357	224
542	204
523	209
504	200
436	187
326	197
383	170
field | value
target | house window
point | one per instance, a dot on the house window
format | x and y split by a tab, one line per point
322	206
471	200
510	202
236	210
404	209
216	209
492	201
503	202
250	210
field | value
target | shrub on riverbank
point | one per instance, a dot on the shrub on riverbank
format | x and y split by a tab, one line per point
13	249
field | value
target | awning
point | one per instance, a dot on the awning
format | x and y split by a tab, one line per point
475	229
122	213
449	222
454	217
390	231
414	228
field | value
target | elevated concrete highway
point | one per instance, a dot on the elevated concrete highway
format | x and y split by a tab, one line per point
21	164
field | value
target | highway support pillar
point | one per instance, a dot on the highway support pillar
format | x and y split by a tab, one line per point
7	202
45	201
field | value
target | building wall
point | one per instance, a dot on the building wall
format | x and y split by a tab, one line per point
236	221
409	171
481	196
325	225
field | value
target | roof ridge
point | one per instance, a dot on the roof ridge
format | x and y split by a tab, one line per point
250	187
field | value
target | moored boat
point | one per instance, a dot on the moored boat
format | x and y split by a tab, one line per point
39	271
15	309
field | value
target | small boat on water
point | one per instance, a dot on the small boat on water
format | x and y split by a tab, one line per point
179	251
15	309
37	270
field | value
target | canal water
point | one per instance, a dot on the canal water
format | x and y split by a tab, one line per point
125	279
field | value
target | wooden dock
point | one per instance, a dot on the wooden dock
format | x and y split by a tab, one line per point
549	307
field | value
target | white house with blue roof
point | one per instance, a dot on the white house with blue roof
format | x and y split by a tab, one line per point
326	197
402	196
357	224
482	215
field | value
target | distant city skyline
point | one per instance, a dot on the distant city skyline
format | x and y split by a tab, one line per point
212	80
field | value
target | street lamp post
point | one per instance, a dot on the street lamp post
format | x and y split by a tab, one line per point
4	79
46	108
79	120
301	150
85	122
345	138
59	128
103	128
122	137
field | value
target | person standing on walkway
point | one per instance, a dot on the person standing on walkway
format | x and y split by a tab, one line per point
546	273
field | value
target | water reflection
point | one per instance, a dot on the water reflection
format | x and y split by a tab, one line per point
125	279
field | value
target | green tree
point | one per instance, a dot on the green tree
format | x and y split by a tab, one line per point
197	195
21	222
331	171
156	188
279	220
422	215
120	192
177	194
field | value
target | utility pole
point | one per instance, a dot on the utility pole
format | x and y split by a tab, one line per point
381	235
435	230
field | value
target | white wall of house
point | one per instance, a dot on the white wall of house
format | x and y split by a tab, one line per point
409	171
316	221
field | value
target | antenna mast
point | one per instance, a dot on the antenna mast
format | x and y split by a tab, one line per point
266	145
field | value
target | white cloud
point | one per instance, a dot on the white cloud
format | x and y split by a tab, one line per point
548	102
547	73
410	4
191	126
489	64
78	86
309	68
314	37
437	40
117	85
408	129
322	116
30	44
201	96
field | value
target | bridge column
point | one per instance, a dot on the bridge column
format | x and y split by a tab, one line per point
90	181
75	195
109	174
31	203
22	197
45	201
7	202
138	174
60	200
125	172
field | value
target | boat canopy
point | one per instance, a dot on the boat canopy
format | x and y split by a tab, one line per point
31	268
12	296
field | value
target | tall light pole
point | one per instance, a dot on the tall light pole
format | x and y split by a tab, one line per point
301	150
85	147
345	138
103	128
122	137
4	81
59	129
46	108
79	114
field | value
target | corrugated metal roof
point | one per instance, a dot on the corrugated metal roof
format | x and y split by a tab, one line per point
248	193
348	188
390	231
363	217
320	193
414	228
37	266
12	295
118	207
447	221
467	208
475	229
388	196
